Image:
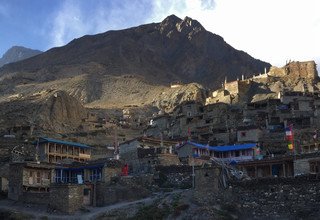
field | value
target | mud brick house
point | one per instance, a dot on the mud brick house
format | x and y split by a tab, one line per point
52	150
227	153
143	154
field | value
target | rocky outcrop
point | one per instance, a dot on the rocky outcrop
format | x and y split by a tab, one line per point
61	111
45	111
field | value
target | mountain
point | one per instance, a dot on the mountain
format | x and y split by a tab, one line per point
173	50
17	53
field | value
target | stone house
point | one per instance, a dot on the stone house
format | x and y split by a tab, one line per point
301	106
227	153
248	134
160	124
143	154
309	148
65	187
87	175
30	181
315	166
90	172
270	167
52	151
4	176
189	109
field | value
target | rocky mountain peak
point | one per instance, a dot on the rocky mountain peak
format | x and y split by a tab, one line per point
173	24
17	53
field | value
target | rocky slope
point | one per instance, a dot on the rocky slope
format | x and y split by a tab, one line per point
131	67
17	53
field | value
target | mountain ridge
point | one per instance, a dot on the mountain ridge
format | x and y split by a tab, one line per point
171	50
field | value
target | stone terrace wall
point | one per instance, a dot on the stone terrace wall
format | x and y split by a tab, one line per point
278	198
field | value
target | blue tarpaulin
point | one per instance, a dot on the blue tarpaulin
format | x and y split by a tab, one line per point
224	148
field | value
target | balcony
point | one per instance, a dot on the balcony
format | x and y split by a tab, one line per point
85	156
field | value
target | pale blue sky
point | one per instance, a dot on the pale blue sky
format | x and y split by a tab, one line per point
270	30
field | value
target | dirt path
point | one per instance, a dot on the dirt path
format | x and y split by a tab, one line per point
40	211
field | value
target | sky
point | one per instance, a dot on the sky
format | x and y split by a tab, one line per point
274	31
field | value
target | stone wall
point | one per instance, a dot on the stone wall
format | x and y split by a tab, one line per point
174	176
66	198
36	197
168	159
205	177
128	189
278	198
110	172
267	198
232	87
15	181
301	166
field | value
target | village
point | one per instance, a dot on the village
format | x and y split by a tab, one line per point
205	147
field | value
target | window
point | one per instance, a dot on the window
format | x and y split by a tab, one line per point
38	177
95	174
58	178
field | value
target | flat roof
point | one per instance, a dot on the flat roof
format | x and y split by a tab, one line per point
51	140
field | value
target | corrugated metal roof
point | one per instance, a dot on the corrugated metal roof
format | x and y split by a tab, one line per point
51	140
224	148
